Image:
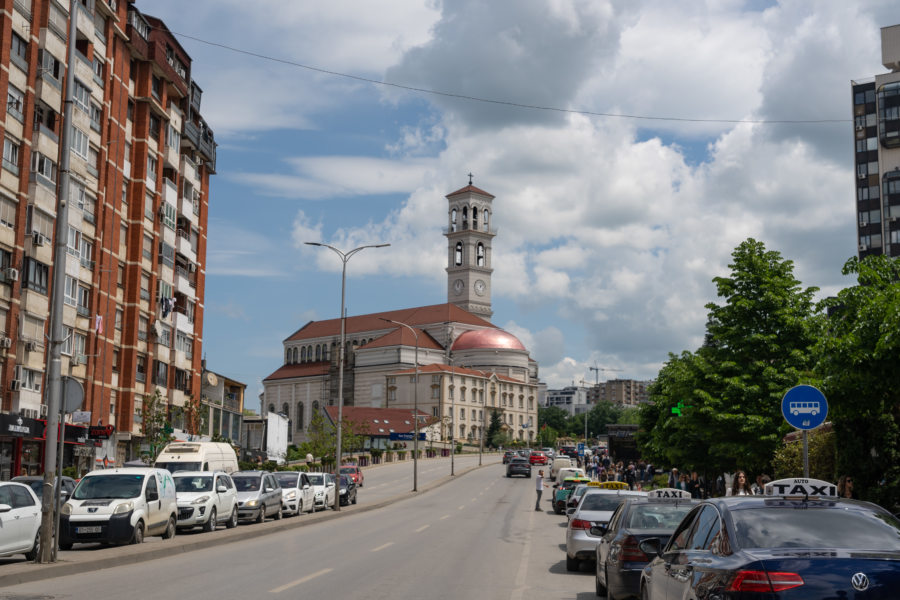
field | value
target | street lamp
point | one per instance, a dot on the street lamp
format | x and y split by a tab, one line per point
415	405
345	256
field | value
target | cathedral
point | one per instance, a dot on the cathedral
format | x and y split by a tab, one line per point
467	366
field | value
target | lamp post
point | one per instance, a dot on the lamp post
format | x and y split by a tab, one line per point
415	406
345	256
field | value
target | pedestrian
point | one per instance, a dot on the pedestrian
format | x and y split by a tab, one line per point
630	477
539	486
641	470
673	478
757	486
740	487
696	486
682	482
845	487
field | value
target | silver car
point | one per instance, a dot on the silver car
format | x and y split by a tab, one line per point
259	495
594	510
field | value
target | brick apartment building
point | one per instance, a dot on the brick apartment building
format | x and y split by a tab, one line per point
141	160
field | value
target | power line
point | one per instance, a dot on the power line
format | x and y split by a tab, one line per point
507	102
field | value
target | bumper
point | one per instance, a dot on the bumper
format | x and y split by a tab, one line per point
116	530
191	516
582	546
290	506
519	471
624	582
249	512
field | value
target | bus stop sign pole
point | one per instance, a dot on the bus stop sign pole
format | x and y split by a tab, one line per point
804	407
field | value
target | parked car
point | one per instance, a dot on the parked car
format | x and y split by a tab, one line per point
323	487
509	454
20	520
563	489
348	491
588	521
205	499
354	473
297	494
36	483
538	457
119	506
258	495
518	466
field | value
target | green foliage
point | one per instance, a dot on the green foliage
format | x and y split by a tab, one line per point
155	425
495	426
857	358
321	438
788	460
552	416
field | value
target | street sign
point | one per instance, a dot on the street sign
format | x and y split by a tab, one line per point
101	432
406	437
804	407
580	448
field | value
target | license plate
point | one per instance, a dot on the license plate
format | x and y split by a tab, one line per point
92	529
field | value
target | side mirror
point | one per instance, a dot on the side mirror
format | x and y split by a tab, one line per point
570	511
269	489
221	489
5	508
305	486
651	547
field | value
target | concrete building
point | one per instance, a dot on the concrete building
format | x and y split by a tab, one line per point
141	159
876	124
223	401
467	365
573	399
625	392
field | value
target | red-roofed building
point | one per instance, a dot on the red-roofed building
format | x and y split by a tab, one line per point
467	366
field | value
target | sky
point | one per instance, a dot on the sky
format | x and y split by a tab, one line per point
348	123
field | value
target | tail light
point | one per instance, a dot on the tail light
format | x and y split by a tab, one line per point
760	581
631	552
580	524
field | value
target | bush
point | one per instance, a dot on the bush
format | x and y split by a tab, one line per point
788	459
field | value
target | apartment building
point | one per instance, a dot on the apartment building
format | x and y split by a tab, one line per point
141	159
876	121
625	392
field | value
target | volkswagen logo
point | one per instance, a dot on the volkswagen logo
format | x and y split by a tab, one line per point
93	509
860	582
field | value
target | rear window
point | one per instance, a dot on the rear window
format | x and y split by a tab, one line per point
600	502
172	467
821	527
657	516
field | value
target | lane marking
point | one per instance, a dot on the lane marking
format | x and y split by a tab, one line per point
381	547
286	586
519	592
444	517
422	528
461	507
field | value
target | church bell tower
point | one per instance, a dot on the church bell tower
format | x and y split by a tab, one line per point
469	234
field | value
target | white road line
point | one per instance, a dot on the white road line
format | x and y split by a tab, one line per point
422	528
461	507
518	592
381	547
286	586
444	517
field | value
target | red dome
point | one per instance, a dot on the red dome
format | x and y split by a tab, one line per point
487	338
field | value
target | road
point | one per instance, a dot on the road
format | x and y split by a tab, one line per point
476	536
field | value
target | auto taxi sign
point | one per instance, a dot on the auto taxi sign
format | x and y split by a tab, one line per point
804	407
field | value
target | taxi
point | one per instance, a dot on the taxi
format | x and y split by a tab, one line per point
562	490
584	528
798	540
619	561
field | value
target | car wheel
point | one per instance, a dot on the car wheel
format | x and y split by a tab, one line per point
572	564
262	514
138	536
169	533
233	519
36	549
211	523
279	514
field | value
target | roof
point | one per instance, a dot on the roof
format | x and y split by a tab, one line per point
401	336
381	421
451	370
487	338
415	317
469	189
300	370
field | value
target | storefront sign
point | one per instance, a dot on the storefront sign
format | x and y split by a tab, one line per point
101	432
18	426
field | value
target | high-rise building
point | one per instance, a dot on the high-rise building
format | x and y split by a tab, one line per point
141	159
876	121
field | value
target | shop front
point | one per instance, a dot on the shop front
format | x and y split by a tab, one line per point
21	446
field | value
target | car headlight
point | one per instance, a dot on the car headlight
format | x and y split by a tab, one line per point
343	492
290	495
123	508
201	500
251	503
66	509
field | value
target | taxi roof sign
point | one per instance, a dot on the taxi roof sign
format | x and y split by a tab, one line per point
609	485
668	495
799	487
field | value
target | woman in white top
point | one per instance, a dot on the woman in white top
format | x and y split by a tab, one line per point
740	486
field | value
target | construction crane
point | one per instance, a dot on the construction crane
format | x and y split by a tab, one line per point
597	370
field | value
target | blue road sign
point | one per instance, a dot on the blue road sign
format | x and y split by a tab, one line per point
580	448
804	407
408	437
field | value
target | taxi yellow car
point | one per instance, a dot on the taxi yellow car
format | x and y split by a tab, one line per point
562	490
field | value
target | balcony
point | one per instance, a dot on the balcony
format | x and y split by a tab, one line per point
170	191
183	245
184	282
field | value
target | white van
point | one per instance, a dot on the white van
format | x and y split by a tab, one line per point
119	506
197	456
560	462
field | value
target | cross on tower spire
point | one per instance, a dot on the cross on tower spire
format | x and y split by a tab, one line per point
470	178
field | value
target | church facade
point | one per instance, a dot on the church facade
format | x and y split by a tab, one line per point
467	367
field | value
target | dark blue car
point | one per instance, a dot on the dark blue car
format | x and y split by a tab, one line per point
798	541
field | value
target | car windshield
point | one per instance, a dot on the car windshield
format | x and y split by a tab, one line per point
178	466
316	479
246	483
823	527
198	483
347	470
657	516
287	480
600	502
109	486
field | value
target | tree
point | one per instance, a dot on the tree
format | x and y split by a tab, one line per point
858	356
196	416
788	460
601	414
552	416
155	425
494	427
321	437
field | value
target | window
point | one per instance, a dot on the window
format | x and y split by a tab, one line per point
80	143
45	120
151	169
36	275
39	221
119	317
141	371
15	102
67	341
148	247
143	326
115	361
89	208
165	335
84	301
184	343
97	67
19	51
120	275
7	212
96	117
80	344
166	254
168	215
82	97
123	235
173	137
50	66
154	128
160	373
31	380
74	241
479	256
458	254
145	286
156	87
11	154
43	168
71	292
705	530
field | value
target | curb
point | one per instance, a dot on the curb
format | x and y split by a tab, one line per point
116	556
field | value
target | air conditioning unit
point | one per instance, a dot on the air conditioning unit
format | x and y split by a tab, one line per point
78	359
30	346
860	128
863	222
863	247
11	274
38	238
44	410
15	385
5	342
192	267
861	175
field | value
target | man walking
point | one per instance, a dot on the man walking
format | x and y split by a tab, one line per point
539	486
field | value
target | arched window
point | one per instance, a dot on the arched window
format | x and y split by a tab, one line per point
299	420
458	258
287	356
316	407
285	409
318	352
271	408
296	355
453	220
485	215
474	218
465	224
324	351
479	255
303	354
